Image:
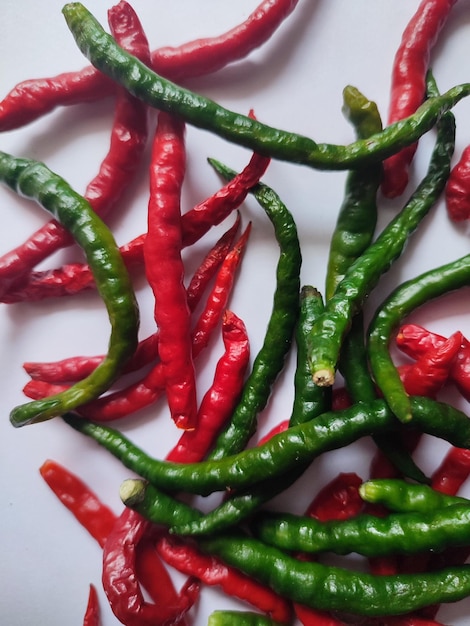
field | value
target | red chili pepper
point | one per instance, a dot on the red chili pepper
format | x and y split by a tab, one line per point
186	558
408	86
221	398
452	472
165	269
340	399
121	584
457	191
92	613
275	430
85	505
31	99
429	373
128	140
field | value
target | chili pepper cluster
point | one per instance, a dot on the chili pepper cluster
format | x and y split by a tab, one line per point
410	528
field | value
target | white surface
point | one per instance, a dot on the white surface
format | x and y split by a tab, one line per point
295	82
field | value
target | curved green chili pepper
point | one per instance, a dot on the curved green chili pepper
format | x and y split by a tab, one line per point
281	324
34	180
309	402
240	618
333	588
368	535
400	303
103	52
364	273
398	495
283	452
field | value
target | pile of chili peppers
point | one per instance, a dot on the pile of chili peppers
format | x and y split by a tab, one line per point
210	511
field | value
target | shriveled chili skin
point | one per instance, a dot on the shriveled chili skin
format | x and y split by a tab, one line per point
283	452
34	180
388	317
241	129
333	588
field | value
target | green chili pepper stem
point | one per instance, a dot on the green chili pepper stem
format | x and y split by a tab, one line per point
283	452
37	182
363	274
104	53
336	589
398	495
400	303
368	535
270	359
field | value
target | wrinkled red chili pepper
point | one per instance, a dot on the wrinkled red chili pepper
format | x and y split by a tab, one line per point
221	398
165	269
408	86
185	557
457	191
275	430
127	143
121	584
31	99
85	505
92	613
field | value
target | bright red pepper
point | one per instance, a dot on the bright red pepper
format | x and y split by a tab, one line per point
457	191
408	88
221	398
92	613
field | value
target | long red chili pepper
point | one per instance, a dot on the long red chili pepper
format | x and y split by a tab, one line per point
85	505
92	613
32	99
457	191
408	86
221	398
121	584
127	143
75	368
185	557
165	269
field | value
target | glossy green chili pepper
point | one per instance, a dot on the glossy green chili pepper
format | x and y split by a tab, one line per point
333	588
309	402
103	52
400	303
240	618
368	535
280	328
398	495
364	273
34	180
283	452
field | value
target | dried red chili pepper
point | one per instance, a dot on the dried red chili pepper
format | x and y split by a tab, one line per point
85	505
185	557
457	191
165	269
275	430
452	472
121	583
221	398
32	99
92	613
408	87
127	143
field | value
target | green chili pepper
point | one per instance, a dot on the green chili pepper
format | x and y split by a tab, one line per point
398	495
333	588
240	618
34	180
103	52
400	303
281	324
368	535
283	452
364	273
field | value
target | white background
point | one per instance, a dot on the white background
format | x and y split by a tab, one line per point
295	82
